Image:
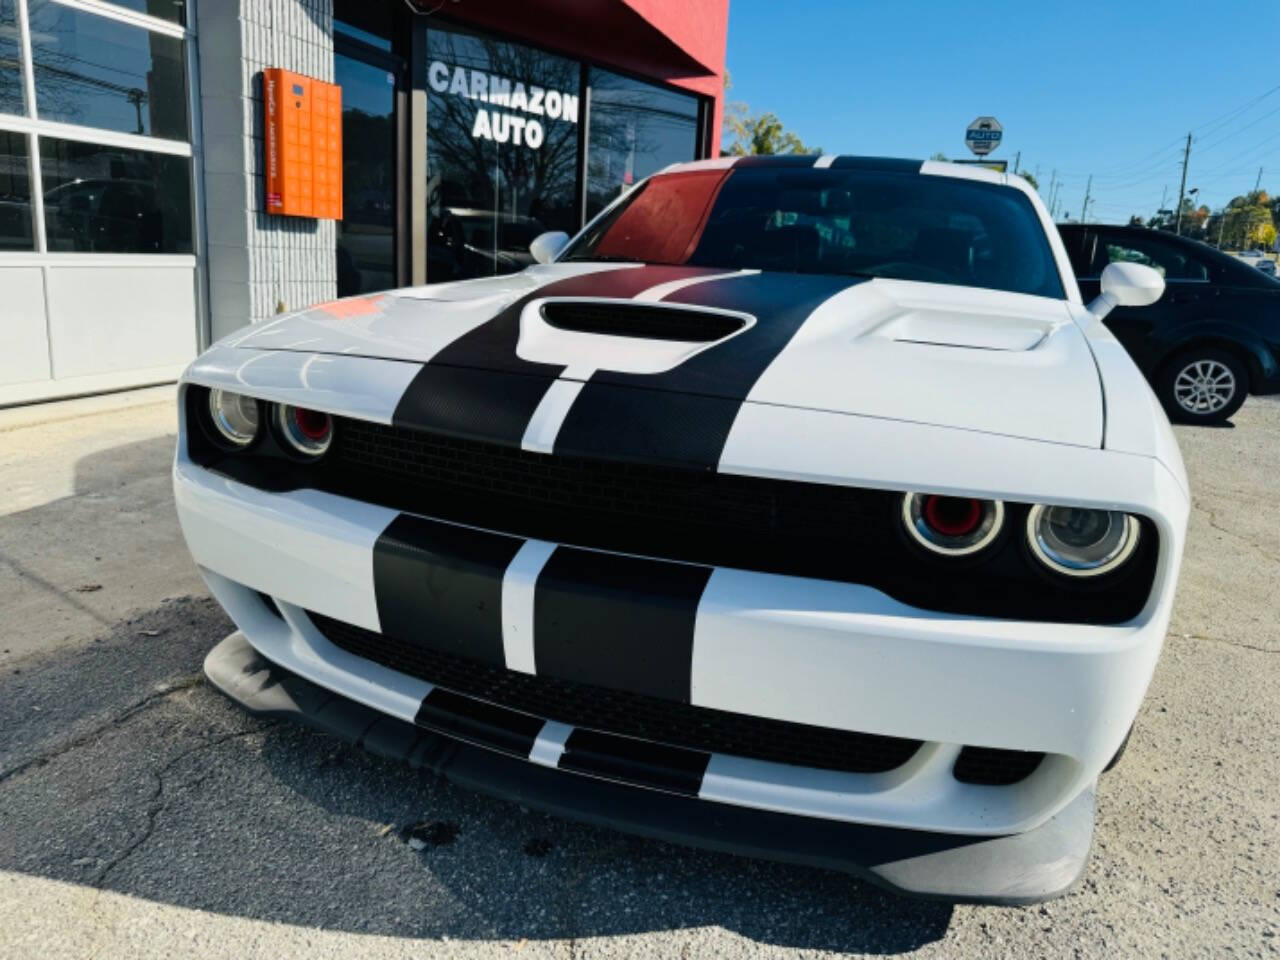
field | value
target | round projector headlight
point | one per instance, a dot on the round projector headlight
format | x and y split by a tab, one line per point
952	526
1080	542
234	416
309	432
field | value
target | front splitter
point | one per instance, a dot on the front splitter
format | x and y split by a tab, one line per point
1020	868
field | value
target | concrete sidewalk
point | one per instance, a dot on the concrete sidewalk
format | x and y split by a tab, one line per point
88	535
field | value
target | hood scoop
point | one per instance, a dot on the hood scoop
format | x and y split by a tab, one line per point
642	320
972	331
623	336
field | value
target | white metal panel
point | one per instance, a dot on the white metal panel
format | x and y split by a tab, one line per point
24	343
341	385
122	317
855	355
413	324
304	547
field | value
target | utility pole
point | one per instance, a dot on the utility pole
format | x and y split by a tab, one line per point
1182	190
1053	192
1084	209
1017	160
1257	184
1222	225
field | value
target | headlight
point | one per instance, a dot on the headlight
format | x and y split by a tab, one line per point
234	416
1080	542
951	526
309	432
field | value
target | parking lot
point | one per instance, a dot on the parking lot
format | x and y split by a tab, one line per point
141	814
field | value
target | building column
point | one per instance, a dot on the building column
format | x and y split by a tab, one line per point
259	264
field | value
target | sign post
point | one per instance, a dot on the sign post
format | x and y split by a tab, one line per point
984	135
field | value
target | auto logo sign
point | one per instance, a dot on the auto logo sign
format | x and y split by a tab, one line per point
984	135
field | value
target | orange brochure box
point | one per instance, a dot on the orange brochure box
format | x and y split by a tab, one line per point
303	145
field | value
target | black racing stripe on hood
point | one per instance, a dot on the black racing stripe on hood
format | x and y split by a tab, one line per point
684	415
478	387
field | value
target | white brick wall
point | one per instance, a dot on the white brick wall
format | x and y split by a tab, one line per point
258	262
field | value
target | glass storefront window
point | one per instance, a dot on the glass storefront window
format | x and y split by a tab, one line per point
635	129
98	72
175	11
12	99
502	142
366	233
100	199
15	192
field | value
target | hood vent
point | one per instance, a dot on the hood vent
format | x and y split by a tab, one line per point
644	321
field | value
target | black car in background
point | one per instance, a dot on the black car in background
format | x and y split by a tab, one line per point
1211	340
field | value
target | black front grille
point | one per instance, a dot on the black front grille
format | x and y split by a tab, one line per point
628	714
640	320
990	767
825	531
515	491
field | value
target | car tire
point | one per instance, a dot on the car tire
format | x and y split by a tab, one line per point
1203	385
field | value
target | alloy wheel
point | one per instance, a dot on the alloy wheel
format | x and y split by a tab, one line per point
1204	386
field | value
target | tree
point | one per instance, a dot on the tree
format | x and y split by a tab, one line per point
761	134
1247	221
1030	178
757	134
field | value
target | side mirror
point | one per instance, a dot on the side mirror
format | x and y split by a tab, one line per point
1127	285
546	246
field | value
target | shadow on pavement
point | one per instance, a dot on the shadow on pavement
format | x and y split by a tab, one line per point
139	778
122	769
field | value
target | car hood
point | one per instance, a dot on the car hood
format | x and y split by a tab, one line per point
928	353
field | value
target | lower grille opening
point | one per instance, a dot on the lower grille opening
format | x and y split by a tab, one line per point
628	714
986	766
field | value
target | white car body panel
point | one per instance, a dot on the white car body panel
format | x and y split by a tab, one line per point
886	385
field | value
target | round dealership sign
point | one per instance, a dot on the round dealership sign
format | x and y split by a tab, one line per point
984	135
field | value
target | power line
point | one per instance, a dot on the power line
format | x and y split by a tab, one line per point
1232	114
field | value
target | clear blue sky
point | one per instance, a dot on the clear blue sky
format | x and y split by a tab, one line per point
1108	88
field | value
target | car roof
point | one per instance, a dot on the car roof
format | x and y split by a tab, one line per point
850	162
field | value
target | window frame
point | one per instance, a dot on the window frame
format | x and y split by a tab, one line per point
34	127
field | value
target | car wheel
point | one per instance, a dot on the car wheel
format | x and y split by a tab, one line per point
1203	385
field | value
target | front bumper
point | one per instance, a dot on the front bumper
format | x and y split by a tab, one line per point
1023	868
832	655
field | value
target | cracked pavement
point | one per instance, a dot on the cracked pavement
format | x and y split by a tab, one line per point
141	814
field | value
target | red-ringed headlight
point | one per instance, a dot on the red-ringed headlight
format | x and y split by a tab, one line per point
235	418
1079	542
952	526
309	432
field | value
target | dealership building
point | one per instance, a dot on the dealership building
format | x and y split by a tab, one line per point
408	142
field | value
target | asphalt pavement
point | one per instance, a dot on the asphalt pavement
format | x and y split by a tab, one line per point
143	815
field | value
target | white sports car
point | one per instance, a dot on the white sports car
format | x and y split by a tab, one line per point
797	506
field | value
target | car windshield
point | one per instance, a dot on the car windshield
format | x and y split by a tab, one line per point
903	226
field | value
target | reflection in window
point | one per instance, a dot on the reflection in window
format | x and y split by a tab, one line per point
502	142
1170	263
15	192
366	233
636	129
11	96
102	73
100	199
175	11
